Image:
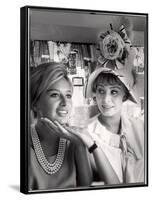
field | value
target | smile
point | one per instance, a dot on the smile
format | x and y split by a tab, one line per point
106	107
62	112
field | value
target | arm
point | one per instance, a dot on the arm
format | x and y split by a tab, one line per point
83	167
103	166
81	138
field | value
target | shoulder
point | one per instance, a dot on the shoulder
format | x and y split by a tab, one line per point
137	125
138	129
136	120
134	130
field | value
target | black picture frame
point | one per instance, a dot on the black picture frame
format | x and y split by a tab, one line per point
27	32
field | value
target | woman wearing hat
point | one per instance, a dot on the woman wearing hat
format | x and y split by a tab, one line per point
56	160
121	138
115	141
118	137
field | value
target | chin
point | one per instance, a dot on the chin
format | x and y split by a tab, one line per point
63	121
108	113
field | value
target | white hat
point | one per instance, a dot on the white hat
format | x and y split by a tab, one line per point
122	75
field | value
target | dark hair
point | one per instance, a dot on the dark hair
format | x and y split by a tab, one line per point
110	79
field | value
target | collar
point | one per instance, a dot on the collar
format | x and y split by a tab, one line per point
129	128
133	129
103	133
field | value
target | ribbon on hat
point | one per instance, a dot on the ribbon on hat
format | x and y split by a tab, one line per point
116	55
114	48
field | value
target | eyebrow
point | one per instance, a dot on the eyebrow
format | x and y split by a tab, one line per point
111	86
118	87
50	90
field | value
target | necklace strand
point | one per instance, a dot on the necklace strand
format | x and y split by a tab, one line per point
49	168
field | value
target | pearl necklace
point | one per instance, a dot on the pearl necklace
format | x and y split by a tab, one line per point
49	168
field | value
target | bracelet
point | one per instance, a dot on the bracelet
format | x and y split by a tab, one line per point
92	148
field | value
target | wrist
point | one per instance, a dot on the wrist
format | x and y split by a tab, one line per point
92	147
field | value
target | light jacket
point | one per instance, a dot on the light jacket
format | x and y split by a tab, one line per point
129	165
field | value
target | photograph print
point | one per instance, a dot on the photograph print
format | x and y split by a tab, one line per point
83	99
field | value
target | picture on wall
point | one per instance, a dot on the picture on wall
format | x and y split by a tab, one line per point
84	94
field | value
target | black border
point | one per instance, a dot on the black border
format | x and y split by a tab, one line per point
24	99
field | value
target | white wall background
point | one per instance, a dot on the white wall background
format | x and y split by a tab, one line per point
10	98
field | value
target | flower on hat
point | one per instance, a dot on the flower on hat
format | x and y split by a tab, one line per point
114	48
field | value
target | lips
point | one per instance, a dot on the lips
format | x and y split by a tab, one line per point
107	107
62	113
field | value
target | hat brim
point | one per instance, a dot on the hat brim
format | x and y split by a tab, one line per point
120	75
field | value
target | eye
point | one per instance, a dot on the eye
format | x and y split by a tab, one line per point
114	92
100	90
54	95
69	96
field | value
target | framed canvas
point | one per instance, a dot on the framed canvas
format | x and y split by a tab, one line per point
84	99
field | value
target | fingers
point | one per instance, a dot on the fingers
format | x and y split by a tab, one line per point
49	124
61	128
71	130
83	134
68	133
77	130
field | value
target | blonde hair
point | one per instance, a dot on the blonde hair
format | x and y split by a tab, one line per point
43	76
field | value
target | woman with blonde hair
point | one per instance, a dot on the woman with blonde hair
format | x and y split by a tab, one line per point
56	161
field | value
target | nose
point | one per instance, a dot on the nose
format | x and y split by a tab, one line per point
63	101
107	98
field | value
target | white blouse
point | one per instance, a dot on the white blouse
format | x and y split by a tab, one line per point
133	132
